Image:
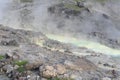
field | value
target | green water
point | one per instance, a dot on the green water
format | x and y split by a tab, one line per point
85	43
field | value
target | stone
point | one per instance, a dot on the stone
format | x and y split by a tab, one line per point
49	72
9	54
60	69
8	68
49	68
30	66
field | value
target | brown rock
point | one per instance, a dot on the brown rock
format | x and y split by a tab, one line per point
49	72
30	66
60	69
49	68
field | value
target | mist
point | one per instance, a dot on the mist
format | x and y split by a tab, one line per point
103	18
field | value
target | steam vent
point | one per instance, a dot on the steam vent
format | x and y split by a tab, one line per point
59	39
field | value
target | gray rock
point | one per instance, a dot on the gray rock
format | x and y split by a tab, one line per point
8	68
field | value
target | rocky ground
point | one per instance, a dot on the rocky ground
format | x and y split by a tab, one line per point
27	55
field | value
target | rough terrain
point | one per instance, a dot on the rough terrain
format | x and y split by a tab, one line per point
28	53
32	56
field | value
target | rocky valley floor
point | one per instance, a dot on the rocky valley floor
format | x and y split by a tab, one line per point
27	55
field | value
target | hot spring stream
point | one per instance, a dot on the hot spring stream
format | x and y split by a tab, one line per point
88	44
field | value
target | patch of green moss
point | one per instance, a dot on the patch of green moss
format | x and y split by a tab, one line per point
2	57
21	69
20	63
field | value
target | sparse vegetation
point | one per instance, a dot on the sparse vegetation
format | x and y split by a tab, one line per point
20	63
2	57
21	69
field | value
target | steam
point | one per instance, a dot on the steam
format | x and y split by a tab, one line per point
34	15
